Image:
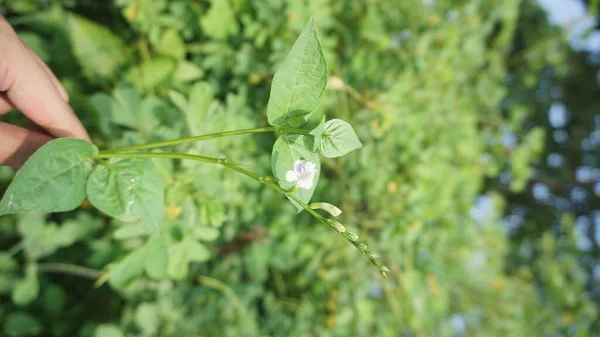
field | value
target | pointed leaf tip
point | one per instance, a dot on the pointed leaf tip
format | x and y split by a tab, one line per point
300	81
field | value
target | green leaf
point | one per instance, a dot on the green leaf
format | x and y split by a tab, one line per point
7	263
129	231
108	330
98	51
129	268
219	22
54	299
202	96
287	150
212	212
128	189
126	106
338	139
206	233
178	262
196	109
171	44
28	289
188	72
151	73
52	180
76	229
128	109
318	134
147	318
157	258
197	252
103	104
19	324
179	100
299	82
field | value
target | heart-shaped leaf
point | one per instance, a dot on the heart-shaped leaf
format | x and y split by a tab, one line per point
129	189
52	180
286	151
338	139
299	82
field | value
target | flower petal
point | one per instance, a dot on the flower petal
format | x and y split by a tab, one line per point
310	166
305	182
310	175
291	176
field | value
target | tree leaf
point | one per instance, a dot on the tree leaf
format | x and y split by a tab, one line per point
52	180
129	189
299	82
98	51
338	139
286	151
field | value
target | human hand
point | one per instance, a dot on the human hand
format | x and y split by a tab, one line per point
26	83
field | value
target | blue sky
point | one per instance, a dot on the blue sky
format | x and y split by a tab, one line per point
578	23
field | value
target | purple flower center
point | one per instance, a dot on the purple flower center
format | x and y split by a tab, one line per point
300	169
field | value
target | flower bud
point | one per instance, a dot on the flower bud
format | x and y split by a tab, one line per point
337	226
351	236
327	207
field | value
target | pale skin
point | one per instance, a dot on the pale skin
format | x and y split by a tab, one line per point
28	85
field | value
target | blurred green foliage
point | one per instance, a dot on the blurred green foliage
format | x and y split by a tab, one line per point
427	88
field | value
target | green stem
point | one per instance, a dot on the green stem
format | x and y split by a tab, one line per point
14	250
219	161
158	155
207	136
264	180
72	269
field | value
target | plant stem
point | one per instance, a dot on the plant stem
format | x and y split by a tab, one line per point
351	237
207	136
14	250
72	269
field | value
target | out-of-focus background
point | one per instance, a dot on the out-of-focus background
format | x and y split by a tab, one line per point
478	182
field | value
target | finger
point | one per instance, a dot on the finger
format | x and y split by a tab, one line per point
30	89
18	144
5	105
61	89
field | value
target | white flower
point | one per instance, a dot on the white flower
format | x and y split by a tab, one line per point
302	174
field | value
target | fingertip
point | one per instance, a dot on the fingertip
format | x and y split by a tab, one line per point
59	87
